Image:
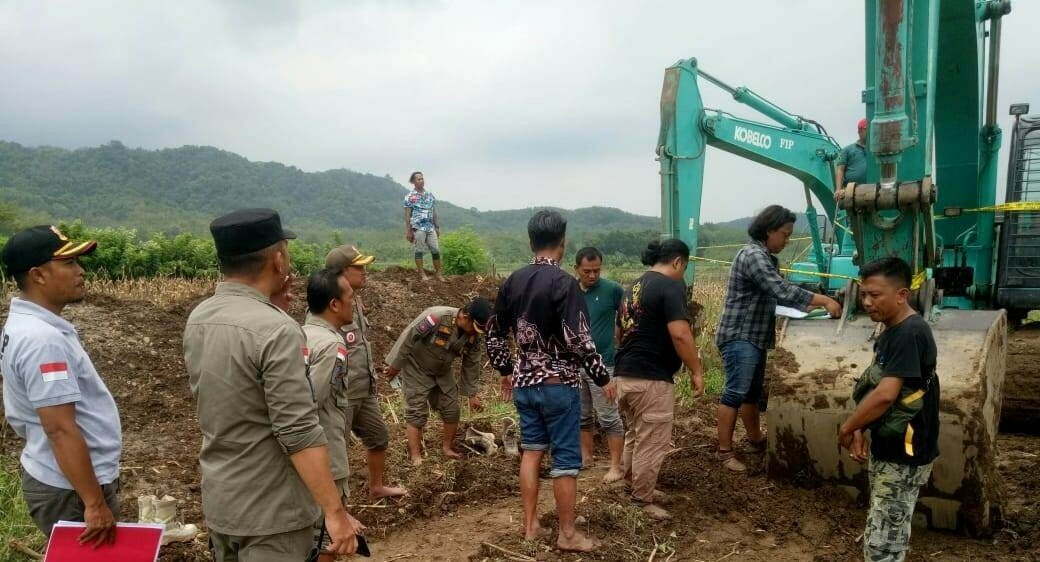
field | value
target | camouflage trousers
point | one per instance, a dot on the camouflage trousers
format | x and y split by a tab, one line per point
893	494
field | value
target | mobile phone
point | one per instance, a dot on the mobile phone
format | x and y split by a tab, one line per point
362	546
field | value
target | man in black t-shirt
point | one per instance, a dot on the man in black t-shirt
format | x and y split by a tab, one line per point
900	455
656	340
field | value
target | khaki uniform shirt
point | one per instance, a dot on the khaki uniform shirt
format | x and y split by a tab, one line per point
361	372
327	359
430	344
247	371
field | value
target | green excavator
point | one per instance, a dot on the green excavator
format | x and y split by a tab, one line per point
931	74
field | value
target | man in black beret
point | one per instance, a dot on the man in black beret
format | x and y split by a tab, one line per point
264	457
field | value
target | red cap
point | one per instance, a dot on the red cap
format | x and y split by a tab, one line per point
862	124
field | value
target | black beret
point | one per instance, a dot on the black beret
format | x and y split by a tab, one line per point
479	310
247	230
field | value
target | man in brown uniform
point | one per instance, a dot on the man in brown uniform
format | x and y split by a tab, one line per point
425	352
363	416
328	310
264	459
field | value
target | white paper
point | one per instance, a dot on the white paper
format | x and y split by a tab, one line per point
790	312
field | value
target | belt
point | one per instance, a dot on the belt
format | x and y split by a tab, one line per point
551	381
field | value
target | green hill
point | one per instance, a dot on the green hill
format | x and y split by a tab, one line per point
181	189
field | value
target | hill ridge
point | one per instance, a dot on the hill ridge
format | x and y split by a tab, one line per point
174	190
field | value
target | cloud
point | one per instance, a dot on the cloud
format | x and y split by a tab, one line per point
503	105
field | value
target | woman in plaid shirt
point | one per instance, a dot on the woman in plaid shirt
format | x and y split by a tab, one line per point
748	325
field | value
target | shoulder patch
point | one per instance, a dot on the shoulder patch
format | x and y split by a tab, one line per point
427	324
341	353
57	371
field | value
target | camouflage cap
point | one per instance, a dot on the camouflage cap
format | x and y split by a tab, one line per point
346	256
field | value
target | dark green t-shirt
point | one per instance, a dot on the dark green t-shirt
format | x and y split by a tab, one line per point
854	158
604	300
907	350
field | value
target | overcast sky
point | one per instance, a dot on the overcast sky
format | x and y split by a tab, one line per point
501	104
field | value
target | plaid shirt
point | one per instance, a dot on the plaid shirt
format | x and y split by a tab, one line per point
542	307
755	288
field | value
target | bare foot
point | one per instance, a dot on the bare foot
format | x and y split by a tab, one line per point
578	542
452	454
416	461
439	277
387	492
613	475
538	532
656	512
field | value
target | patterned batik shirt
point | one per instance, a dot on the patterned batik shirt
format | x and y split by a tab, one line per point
755	288
543	309
421	203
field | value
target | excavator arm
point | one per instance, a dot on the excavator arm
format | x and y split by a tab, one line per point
795	145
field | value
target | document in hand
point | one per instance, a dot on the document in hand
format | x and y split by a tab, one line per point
790	312
135	542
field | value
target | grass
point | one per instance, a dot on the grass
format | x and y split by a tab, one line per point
15	523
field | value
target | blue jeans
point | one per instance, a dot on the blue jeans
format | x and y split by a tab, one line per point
550	418
745	366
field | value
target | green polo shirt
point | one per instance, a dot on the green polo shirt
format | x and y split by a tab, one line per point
854	158
603	300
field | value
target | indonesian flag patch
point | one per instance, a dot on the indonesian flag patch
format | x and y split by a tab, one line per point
341	353
427	324
306	355
58	371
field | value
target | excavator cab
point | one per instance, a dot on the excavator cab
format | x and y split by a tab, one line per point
1018	265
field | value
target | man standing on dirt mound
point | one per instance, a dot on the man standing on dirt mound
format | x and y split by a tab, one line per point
421	226
542	308
898	401
363	415
53	396
264	459
423	355
656	340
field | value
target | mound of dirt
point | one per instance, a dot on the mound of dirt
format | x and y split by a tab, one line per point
1022	383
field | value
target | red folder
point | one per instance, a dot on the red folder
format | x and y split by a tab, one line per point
135	542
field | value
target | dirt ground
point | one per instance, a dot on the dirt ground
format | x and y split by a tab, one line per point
458	508
1022	382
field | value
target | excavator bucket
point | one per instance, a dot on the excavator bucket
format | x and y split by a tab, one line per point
812	373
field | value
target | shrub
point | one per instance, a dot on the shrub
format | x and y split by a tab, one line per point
463	252
122	255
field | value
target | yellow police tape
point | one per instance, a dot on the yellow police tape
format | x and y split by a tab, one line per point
745	244
784	269
914	285
918	281
1013	207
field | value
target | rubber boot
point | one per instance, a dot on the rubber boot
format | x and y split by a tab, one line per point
166	513
146	509
509	440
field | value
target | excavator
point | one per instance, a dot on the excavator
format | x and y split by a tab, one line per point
931	72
